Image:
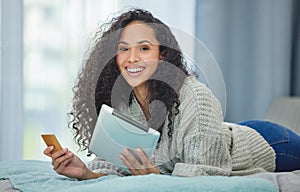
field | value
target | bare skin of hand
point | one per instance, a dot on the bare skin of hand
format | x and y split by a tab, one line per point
136	167
66	163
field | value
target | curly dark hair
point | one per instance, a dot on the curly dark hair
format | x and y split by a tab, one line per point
100	75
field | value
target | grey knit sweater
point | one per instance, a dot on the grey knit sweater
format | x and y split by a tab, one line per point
201	144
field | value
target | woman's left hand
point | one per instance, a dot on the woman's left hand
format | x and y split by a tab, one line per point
140	165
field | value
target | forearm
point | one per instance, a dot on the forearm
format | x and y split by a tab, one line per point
91	175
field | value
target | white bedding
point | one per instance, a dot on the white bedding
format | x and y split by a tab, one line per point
285	181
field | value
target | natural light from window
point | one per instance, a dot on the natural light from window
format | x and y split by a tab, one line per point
56	35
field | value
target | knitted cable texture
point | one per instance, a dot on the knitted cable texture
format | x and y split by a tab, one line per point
201	143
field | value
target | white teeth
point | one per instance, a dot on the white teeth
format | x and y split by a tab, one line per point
134	70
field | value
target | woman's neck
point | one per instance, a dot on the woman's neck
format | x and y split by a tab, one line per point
141	94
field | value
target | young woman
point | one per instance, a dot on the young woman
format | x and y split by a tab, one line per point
137	67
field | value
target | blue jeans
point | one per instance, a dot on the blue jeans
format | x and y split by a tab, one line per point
285	143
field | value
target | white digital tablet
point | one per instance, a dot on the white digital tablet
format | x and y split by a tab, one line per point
114	132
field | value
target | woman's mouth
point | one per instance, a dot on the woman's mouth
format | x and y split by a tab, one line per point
134	71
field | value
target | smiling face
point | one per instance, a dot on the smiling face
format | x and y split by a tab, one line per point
138	53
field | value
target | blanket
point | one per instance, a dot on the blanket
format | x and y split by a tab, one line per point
32	176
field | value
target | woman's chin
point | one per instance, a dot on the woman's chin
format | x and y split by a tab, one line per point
135	84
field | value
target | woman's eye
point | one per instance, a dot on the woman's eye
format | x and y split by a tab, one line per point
144	48
123	49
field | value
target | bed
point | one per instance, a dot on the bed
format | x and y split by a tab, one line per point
36	176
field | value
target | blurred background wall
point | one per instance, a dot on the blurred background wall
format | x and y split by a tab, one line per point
256	45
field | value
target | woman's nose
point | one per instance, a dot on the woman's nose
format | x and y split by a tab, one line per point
133	55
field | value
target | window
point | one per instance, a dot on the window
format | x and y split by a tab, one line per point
55	39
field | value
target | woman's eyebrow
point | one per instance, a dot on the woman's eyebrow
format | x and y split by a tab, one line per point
144	41
139	42
123	42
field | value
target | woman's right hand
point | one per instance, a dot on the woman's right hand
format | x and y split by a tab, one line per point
66	163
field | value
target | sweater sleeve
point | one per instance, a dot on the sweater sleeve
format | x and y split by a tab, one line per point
204	149
99	165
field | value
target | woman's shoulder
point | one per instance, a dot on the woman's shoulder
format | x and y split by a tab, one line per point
192	90
191	87
196	95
